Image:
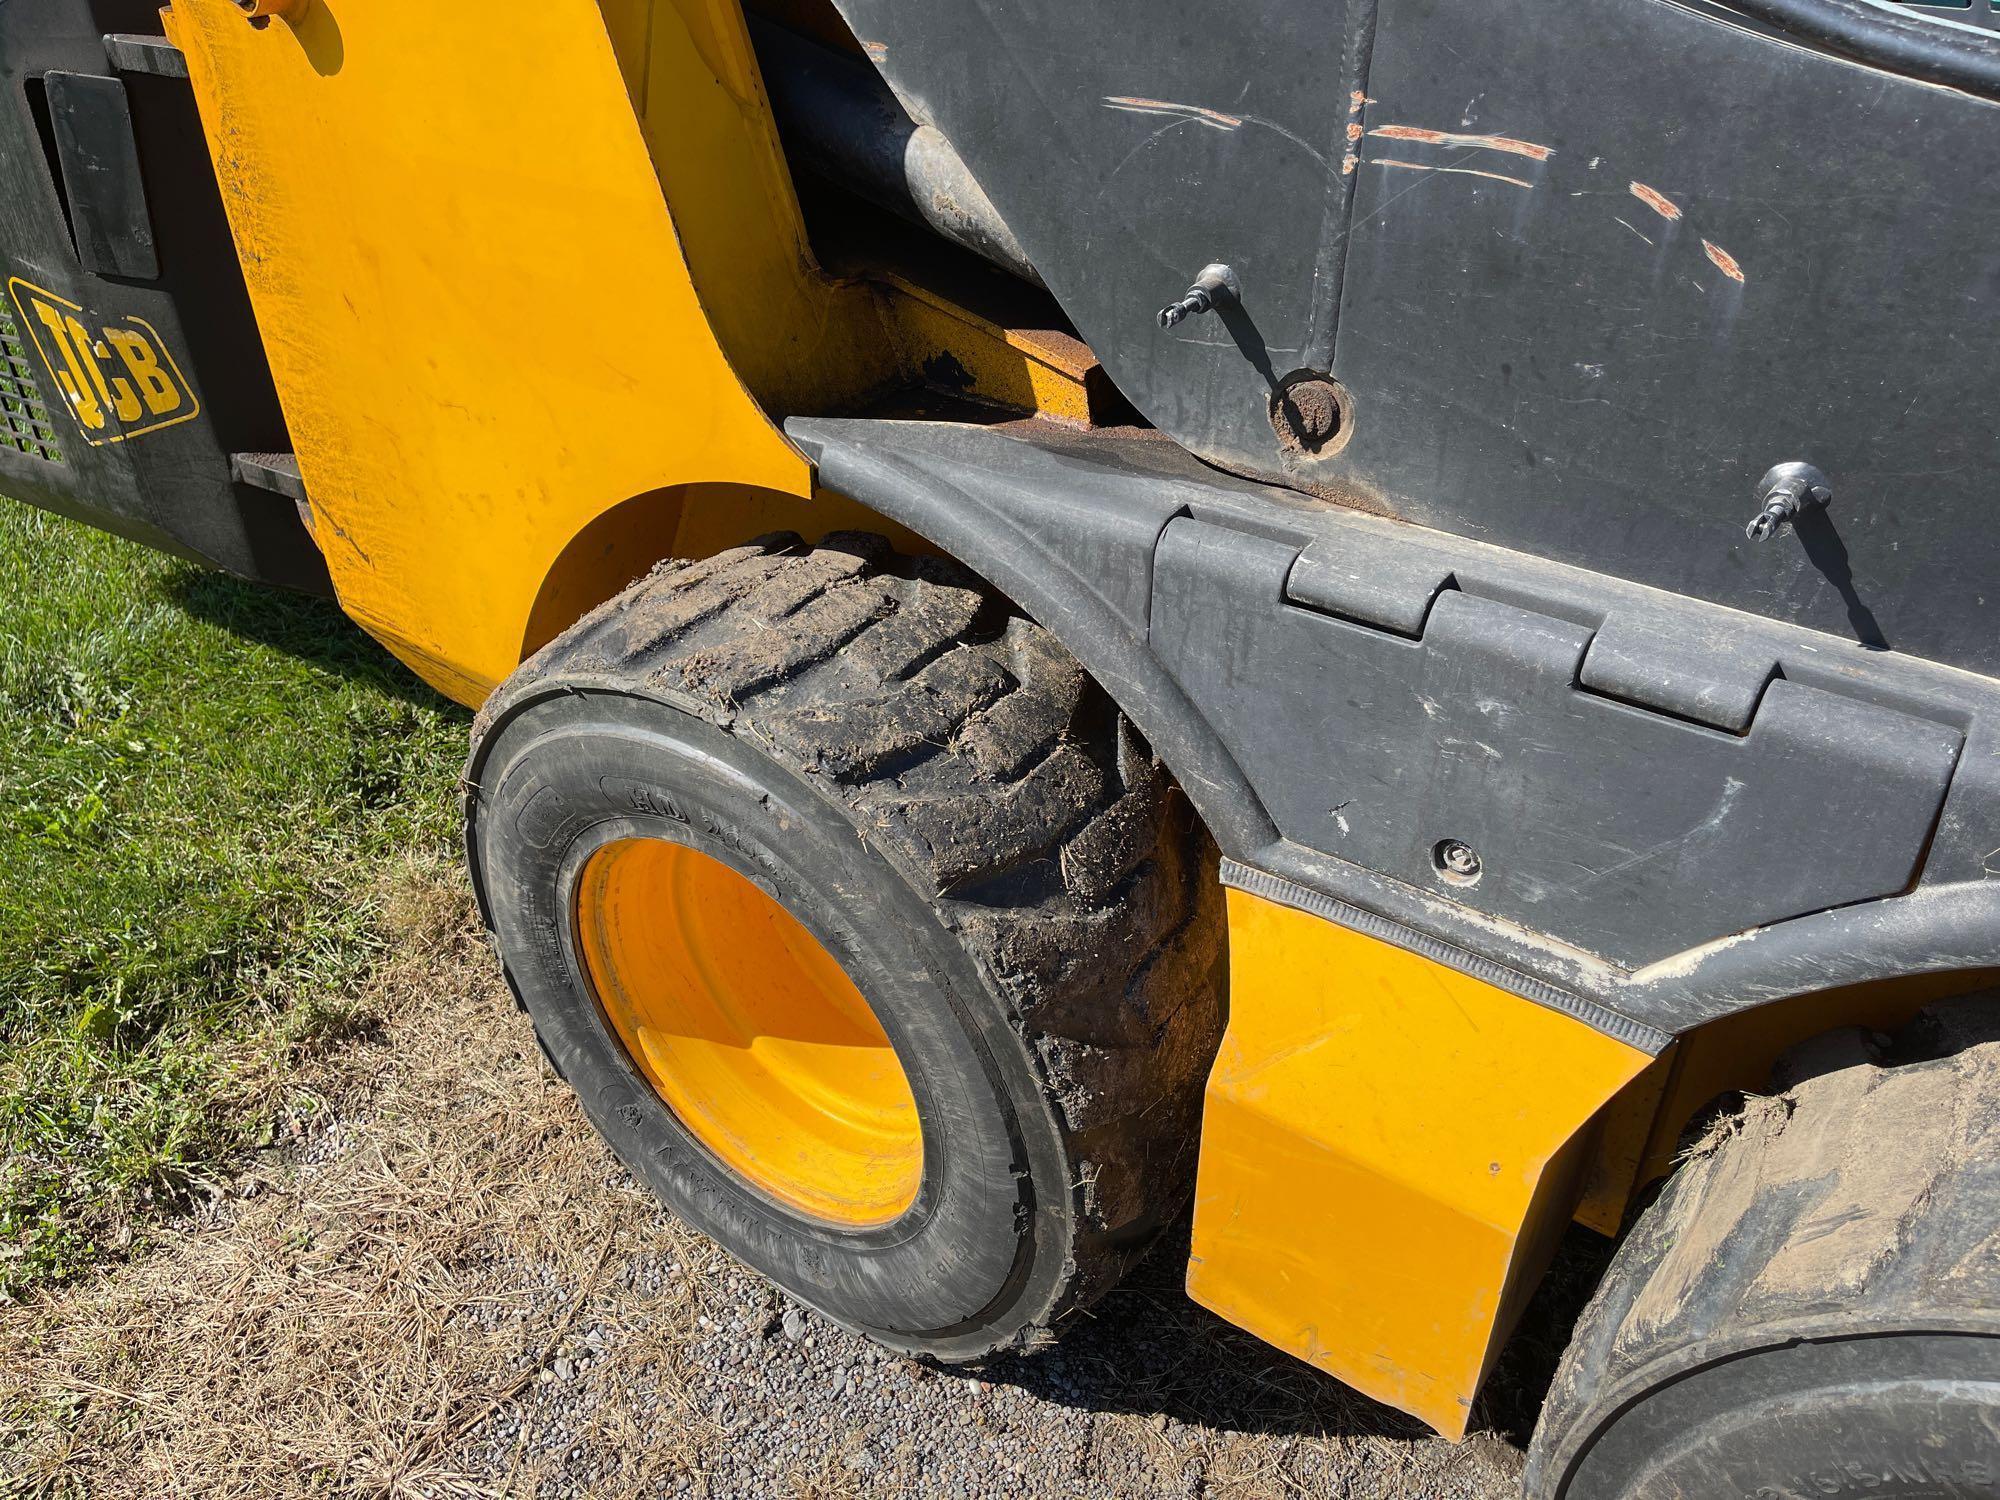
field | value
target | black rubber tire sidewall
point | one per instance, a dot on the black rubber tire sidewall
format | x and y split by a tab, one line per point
979	1253
1892	1415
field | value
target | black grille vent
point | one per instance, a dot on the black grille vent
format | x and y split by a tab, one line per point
24	421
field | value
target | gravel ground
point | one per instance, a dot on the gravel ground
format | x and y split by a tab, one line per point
1151	1398
442	1285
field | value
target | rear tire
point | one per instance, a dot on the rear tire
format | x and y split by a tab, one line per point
930	785
1812	1307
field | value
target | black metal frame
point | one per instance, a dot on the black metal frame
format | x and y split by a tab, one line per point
1581	282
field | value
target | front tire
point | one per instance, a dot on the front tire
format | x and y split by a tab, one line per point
832	772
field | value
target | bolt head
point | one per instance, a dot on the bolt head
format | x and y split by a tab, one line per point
1457	861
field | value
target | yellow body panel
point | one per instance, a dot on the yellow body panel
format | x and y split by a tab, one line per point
529	289
482	329
800	339
1389	1149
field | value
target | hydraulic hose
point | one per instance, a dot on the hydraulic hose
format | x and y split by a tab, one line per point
840	121
1887	35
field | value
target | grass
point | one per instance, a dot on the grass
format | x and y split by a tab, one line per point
357	1307
200	783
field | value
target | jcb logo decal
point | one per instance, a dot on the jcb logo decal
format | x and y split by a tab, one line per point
117	379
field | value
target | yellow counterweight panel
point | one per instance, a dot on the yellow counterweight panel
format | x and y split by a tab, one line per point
1389	1149
479	320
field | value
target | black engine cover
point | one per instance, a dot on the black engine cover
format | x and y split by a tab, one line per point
1586	273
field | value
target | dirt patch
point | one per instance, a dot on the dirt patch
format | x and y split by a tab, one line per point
447	1287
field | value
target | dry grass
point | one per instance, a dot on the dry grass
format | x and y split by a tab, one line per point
338	1322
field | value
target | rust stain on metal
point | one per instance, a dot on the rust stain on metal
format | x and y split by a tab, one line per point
1657	201
1528	149
1353	131
876	50
1724	261
1060	351
1354	102
1347	493
1311	418
1348	163
1418	166
1134	104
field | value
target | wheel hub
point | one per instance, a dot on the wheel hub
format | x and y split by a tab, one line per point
750	1031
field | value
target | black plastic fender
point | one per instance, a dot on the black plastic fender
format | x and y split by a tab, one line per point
1680	810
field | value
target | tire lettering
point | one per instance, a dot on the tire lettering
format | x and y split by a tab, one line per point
636	796
540	817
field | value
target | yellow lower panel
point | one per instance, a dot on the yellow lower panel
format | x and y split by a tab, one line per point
1387	1150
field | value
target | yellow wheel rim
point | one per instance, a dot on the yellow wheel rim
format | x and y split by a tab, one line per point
750	1030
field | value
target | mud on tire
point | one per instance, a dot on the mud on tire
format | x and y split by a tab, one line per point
933	785
1812	1307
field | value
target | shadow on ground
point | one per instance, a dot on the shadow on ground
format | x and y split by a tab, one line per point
1146	1348
301	626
